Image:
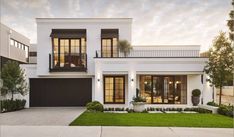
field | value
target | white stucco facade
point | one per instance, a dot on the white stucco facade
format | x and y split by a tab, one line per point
143	60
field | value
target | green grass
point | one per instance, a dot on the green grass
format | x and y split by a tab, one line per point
146	119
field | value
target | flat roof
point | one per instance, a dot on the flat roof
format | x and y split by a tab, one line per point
83	19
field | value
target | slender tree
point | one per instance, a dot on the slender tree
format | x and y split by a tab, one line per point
13	79
230	23
220	64
125	47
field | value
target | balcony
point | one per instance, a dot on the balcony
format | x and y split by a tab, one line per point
155	54
76	62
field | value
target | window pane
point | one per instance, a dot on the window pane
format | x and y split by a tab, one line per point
12	42
145	88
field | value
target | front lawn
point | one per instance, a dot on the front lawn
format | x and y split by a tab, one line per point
147	119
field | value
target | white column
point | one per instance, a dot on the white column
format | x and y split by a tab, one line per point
98	80
131	85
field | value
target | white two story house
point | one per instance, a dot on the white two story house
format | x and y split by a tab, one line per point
78	61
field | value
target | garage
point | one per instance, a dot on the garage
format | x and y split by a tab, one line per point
59	92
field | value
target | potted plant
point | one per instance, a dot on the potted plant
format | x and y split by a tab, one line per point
196	96
138	104
125	47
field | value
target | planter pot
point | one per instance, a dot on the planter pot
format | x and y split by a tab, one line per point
138	106
195	100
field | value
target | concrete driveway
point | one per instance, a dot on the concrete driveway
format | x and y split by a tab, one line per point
55	116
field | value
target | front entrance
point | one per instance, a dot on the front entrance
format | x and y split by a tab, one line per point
164	89
114	89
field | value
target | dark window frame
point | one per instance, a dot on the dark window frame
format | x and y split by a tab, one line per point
174	90
69	44
111	38
104	91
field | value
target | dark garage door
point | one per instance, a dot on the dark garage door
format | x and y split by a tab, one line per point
52	92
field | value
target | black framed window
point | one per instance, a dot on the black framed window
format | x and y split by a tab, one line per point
164	89
69	52
109	42
114	89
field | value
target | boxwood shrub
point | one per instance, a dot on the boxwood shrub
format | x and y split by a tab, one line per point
226	110
95	106
12	105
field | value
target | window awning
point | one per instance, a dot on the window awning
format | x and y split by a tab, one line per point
109	33
68	33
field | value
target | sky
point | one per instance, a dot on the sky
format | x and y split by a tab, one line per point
155	22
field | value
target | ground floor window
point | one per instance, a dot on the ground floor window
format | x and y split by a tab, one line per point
114	89
164	89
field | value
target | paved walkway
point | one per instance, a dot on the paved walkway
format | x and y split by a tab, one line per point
97	131
41	116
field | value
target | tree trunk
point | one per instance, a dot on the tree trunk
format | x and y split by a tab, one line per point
12	95
220	94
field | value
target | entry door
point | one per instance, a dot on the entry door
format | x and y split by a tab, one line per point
114	89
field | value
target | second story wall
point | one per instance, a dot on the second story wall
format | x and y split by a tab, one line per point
93	29
13	45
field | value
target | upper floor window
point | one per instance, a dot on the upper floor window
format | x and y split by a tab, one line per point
69	48
109	42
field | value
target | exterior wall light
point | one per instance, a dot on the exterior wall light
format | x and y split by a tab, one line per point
98	80
132	79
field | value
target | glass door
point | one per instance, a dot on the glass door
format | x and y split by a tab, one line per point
168	86
157	91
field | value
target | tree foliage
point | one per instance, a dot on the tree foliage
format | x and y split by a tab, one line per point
125	47
230	23
220	65
13	79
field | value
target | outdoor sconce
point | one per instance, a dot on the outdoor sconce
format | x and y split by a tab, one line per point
98	80
132	79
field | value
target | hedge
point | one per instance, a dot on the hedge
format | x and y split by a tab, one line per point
12	105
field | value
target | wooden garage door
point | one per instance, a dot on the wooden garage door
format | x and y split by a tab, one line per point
52	92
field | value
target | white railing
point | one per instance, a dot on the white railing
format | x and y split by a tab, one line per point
154	53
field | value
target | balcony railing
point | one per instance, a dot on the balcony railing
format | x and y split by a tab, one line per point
152	54
68	62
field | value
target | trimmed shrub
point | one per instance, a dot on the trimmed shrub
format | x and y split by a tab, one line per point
12	105
226	110
212	103
95	106
196	92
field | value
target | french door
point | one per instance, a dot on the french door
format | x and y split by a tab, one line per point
164	89
109	47
68	53
114	89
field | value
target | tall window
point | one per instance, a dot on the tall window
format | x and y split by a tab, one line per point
109	42
114	89
164	89
109	47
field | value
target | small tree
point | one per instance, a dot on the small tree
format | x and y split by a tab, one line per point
125	47
13	79
220	64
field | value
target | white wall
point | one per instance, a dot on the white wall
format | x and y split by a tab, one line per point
30	72
192	67
93	29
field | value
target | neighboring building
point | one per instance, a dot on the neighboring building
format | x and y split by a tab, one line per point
33	54
13	46
78	61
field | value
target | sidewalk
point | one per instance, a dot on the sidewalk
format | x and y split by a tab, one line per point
98	131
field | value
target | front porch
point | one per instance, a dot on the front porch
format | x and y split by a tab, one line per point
159	90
